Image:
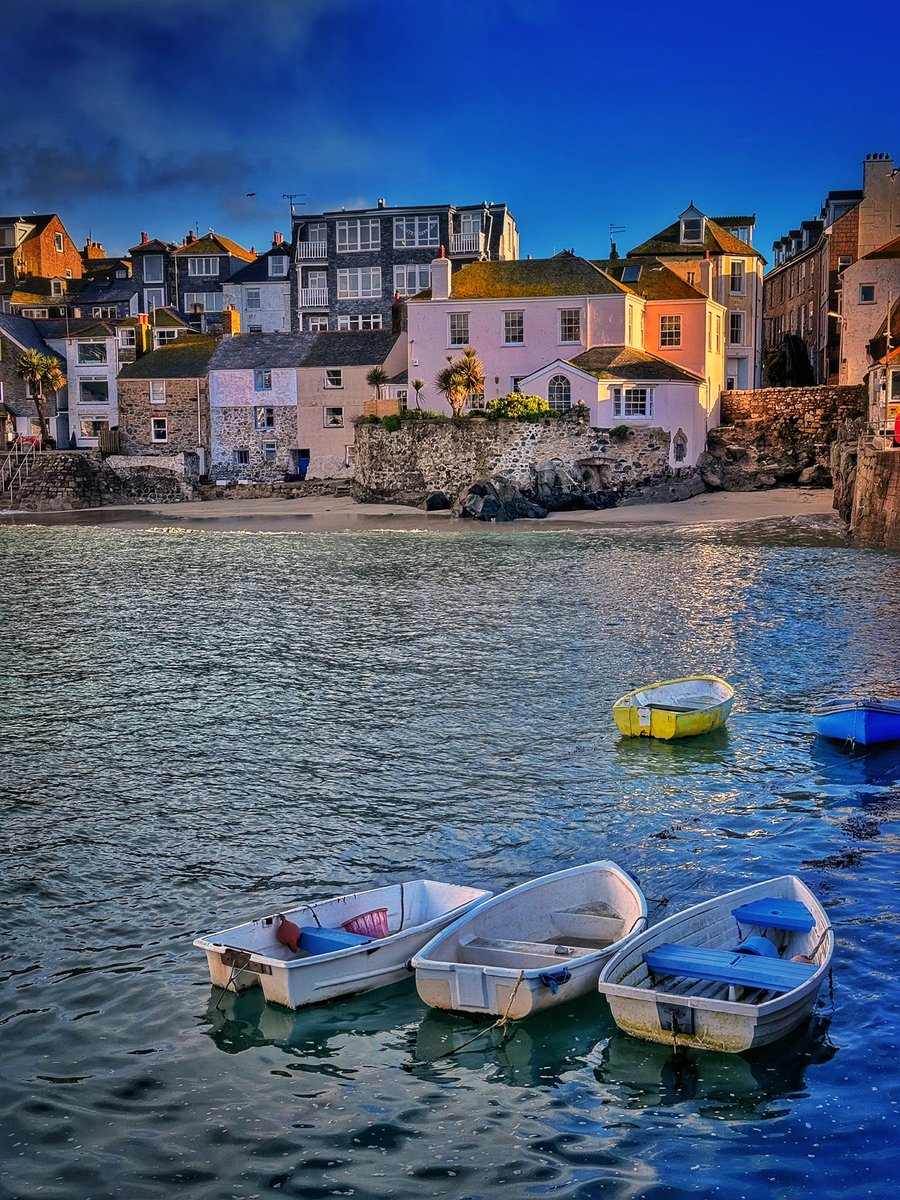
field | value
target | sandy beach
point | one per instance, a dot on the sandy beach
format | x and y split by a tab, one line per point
337	514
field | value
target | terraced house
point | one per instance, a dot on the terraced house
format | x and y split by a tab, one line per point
261	291
349	266
39	266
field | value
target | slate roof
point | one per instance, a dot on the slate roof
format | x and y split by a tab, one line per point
60	327
562	275
215	243
160	318
153	246
750	219
621	362
245	351
188	357
717	241
258	270
39	221
23	332
107	291
350	348
655	281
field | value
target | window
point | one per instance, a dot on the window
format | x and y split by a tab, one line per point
154	298
199	302
93	391
92	352
736	284
253	298
278	264
56	287
69	272
241	458
157	391
104	310
364	321
459	329
159	429
348	456
127	338
334	378
2	270
34	313
844	261
201	265
416	231
692	230
412	278
515	383
333	418
93	429
7	236
270	449
736	329
867	293
730	383
319	324
263	418
632	402
165	335
559	394
470	223
60	246
316	231
262	379
514	327
631	272
718	334
670	331
570	324
359	283
314	277
254	329
153	268
361	234
120	274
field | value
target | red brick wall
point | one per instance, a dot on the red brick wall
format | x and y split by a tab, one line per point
40	257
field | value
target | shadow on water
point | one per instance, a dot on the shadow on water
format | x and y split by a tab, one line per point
644	1075
682	754
863	766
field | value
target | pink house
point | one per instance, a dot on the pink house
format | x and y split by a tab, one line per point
540	325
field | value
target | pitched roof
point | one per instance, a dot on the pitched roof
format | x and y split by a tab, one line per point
153	246
351	348
624	362
159	318
39	221
187	357
245	351
257	271
654	281
750	219
74	327
888	250
215	243
563	275
716	241
24	332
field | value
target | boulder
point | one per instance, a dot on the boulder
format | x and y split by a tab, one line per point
496	500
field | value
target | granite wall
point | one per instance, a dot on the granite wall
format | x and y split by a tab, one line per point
875	517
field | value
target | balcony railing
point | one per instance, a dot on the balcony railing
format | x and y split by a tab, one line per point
467	243
314	297
312	249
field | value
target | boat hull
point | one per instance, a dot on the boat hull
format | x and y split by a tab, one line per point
703	1020
705	703
473	968
249	955
858	724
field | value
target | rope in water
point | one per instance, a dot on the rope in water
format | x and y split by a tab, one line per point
500	1023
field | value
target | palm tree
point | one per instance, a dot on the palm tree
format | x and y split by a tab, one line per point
471	373
377	378
417	385
41	371
450	384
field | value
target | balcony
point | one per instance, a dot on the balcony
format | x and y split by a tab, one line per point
467	243
314	297
312	250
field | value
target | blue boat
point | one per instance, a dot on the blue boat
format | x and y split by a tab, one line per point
863	722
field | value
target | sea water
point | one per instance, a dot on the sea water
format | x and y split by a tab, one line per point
203	727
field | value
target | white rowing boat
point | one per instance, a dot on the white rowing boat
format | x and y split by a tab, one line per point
539	944
732	973
327	948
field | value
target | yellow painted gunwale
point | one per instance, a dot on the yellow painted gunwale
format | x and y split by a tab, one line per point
667	725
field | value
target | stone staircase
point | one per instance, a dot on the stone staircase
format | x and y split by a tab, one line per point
15	467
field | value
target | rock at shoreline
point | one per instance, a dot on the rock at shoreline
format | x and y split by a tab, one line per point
496	500
436	502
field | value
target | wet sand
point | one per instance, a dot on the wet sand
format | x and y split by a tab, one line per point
338	514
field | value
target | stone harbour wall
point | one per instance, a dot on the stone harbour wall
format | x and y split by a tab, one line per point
816	411
562	463
875	517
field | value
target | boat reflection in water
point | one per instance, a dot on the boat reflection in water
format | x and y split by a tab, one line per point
641	1075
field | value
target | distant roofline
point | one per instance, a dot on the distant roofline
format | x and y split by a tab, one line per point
398	208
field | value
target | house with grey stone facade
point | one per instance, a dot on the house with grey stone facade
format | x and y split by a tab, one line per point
260	292
18	413
350	267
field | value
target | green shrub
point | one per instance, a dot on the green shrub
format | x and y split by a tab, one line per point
392	423
620	433
516	407
422	414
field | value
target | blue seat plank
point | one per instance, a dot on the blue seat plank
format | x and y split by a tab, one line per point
323	941
727	966
772	913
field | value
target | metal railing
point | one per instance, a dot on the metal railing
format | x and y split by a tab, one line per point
15	469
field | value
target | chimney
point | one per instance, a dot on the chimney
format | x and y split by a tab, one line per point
144	238
381	201
231	321
277	239
613	252
398	314
440	278
189	239
143	319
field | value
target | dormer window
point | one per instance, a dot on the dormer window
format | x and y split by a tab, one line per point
278	264
693	227
631	273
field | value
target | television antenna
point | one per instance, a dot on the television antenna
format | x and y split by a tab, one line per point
613	230
294	198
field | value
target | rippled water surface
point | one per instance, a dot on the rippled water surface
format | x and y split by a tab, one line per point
200	728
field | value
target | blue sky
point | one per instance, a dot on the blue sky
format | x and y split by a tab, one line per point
161	116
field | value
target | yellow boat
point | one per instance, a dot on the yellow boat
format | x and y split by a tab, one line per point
675	708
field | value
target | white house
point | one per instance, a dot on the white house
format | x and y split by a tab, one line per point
261	291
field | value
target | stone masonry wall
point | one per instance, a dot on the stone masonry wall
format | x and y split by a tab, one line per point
136	415
233	429
447	456
875	520
815	410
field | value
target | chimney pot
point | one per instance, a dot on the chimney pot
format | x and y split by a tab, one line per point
381	201
277	238
144	239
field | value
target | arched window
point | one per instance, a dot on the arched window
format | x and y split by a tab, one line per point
679	446
559	394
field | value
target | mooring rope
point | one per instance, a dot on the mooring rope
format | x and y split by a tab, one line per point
500	1023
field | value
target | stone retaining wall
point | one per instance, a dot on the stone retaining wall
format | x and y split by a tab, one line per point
424	457
816	411
875	519
61	480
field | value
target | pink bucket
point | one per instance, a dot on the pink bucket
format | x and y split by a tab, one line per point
373	924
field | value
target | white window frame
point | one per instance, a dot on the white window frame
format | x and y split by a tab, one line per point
739	341
669	330
334	378
570	316
127	337
205	266
559	403
269	451
82	399
153	258
254	299
157	391
453	338
685	240
83	346
210	302
56	287
514	323
738	275
161	336
318	324
866	285
59	242
352	284
354	235
359	321
155	423
415	231
278	265
336	420
2	270
402	274
154	297
240	458
625	398
469	223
